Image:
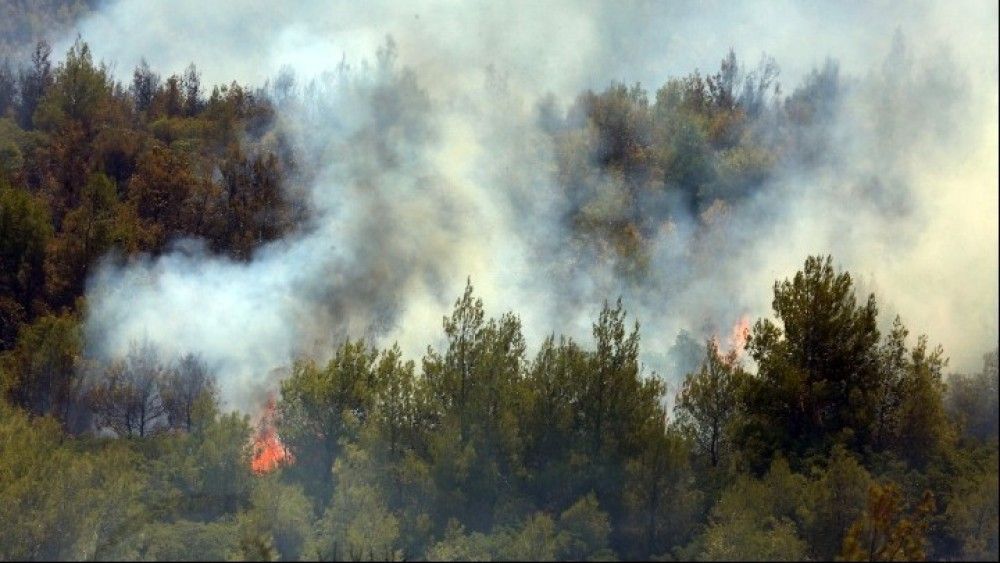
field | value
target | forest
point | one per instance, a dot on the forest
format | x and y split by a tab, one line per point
816	433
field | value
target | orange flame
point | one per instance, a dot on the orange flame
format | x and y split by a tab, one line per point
737	340
740	334
268	451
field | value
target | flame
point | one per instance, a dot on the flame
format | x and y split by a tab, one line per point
735	343
268	451
739	335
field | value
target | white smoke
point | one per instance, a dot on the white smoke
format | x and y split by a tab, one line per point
421	178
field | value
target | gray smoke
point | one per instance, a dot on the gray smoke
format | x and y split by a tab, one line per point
425	163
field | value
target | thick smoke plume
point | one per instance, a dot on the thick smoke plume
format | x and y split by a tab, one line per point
427	159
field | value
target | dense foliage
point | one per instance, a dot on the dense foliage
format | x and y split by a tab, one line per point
828	438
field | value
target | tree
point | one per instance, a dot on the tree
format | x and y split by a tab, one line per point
254	207
192	91
817	373
8	87
77	94
972	402
709	402
279	522
884	532
60	503
660	500
537	539
835	498
88	232
25	231
169	101
33	84
971	516
145	85
357	524
183	387
127	398
552	444
185	540
44	370
585	531
618	407
474	389
756	519
322	408
159	190
924	432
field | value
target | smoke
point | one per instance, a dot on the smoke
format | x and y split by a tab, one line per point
427	163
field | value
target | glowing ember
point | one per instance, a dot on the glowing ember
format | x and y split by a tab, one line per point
268	451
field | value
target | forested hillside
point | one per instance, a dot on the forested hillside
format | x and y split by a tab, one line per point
816	434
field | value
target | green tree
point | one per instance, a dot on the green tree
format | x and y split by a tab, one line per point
57	503
973	404
585	531
476	396
924	432
660	500
818	375
322	408
278	523
834	499
88	232
357	524
709	402
757	519
33	83
78	92
44	370
25	231
971	516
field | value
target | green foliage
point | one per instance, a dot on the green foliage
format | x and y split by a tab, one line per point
834	499
25	230
475	398
44	369
189	541
832	442
97	225
708	404
278	523
323	408
79	91
817	372
972	401
971	516
627	165
586	530
357	524
756	519
484	455
96	170
59	503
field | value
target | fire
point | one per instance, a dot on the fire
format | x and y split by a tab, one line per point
741	332
737	340
268	451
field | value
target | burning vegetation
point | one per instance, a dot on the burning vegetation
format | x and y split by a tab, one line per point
268	451
841	440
